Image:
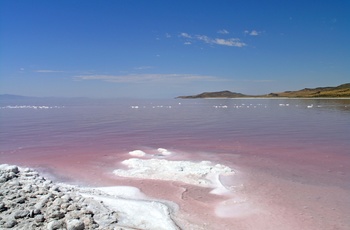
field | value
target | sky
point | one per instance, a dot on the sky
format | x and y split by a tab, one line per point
164	49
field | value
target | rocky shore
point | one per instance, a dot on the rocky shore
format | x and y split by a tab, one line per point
30	201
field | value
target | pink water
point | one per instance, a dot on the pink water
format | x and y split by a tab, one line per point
292	162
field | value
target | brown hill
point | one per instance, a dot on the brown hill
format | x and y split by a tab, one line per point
338	91
320	92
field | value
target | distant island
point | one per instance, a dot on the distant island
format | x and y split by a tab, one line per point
340	91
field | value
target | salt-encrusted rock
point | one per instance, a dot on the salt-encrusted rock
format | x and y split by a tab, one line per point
21	214
10	223
75	224
29	201
20	200
55	225
9	168
2	207
55	188
66	198
27	188
39	218
56	215
73	207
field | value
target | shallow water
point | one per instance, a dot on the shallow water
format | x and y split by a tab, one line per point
292	156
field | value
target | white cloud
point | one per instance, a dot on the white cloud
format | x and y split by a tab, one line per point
223	32
185	35
252	33
147	78
204	38
236	42
229	42
167	35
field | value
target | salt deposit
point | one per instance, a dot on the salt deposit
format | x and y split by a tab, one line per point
29	201
164	152
31	107
202	173
140	153
137	153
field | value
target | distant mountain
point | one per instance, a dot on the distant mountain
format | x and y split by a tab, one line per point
221	94
330	92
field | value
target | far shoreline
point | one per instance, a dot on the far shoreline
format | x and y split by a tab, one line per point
275	98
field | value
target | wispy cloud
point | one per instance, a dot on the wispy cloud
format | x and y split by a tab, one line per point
185	35
223	32
229	42
252	33
204	38
235	42
147	78
143	67
48	71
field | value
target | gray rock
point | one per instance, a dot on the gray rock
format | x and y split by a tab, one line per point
56	215
57	202
2	207
20	200
21	214
89	221
37	211
73	215
39	218
34	212
55	225
27	188
75	224
64	206
73	207
10	223
3	179
44	199
29	201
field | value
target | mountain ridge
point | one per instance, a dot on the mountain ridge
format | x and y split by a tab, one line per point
340	91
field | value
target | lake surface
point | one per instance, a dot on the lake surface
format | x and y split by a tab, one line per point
291	155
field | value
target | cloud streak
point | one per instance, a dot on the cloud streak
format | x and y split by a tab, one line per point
143	67
148	78
233	42
48	71
223	31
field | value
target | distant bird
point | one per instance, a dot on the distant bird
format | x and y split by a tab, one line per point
310	106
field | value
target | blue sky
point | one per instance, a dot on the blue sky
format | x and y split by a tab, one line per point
150	49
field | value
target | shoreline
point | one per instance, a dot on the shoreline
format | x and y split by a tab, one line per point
29	200
274	98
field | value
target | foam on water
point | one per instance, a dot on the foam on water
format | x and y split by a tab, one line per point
31	107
